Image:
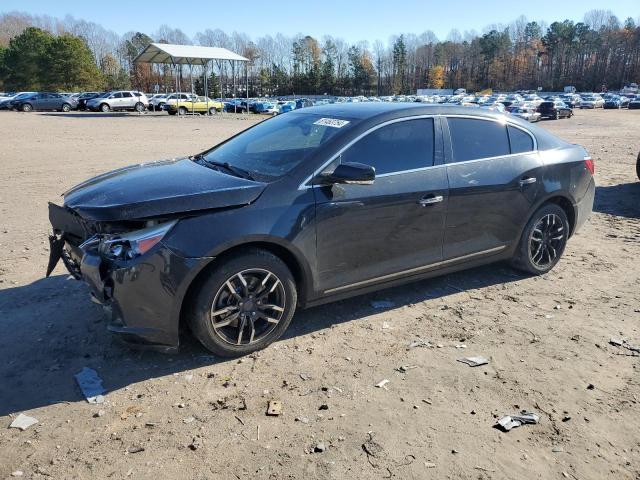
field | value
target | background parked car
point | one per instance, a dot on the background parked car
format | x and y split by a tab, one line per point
554	110
528	114
202	105
157	101
634	103
5	103
120	100
592	101
44	101
83	98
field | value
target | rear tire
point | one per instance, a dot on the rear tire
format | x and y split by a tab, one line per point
66	107
543	240
182	111
260	311
212	111
139	107
105	108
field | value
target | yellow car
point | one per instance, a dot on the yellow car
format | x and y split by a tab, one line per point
202	105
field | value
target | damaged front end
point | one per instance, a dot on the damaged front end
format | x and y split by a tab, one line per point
138	281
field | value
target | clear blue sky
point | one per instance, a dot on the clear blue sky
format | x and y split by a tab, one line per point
352	20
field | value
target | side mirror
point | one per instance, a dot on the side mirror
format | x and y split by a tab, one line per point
351	173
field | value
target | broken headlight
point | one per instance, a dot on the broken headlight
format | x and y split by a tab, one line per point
129	245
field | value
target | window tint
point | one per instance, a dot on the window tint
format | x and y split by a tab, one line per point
126	94
520	141
474	138
117	95
396	147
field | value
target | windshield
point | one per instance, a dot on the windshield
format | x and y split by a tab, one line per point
276	146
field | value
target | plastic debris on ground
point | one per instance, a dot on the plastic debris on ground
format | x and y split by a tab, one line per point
274	408
23	422
383	384
91	385
508	422
622	342
474	361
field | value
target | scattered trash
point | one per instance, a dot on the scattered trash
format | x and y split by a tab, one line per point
377	304
188	420
234	403
462	345
406	368
371	447
418	343
305	376
274	408
429	465
591	386
99	413
386	326
195	444
557	449
23	422
383	384
135	449
621	342
324	406
91	385
474	361
17	473
320	447
548	316
512	421
302	419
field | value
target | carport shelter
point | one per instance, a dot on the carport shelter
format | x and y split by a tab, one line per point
174	55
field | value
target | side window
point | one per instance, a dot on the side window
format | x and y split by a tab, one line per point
403	145
520	141
126	94
472	139
117	95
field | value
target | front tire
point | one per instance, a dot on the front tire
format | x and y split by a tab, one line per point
139	107
182	111
245	304
543	240
66	107
104	108
27	107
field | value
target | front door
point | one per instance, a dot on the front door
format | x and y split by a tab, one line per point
372	233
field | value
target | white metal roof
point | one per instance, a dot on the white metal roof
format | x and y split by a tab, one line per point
185	54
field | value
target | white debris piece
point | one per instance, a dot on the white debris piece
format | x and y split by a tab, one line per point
474	361
23	422
512	421
383	384
90	384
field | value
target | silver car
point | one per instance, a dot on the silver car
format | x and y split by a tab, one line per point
119	100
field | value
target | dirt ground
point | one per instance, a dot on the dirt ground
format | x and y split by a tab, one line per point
193	416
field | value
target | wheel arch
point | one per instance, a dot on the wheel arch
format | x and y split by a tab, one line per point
298	267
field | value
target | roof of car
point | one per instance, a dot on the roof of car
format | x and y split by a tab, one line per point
365	110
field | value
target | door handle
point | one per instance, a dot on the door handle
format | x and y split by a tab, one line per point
430	200
528	181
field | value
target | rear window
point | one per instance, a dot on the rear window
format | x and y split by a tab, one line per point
472	139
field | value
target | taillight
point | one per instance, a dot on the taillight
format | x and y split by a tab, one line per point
588	162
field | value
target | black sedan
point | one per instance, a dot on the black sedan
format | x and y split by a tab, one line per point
555	110
313	206
45	101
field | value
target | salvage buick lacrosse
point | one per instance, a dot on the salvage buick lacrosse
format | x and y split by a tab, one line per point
312	206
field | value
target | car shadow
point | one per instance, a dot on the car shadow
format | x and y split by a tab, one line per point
50	330
622	200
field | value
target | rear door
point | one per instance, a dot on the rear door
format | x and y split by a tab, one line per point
494	174
128	100
371	233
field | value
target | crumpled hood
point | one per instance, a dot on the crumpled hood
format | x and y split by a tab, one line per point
159	188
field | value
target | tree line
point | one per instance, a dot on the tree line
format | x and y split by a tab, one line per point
41	52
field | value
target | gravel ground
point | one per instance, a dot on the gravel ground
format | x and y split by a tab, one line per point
190	415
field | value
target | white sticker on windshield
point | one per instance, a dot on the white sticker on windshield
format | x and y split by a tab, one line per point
331	122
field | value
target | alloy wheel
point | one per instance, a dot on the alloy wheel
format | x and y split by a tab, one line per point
248	306
546	240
